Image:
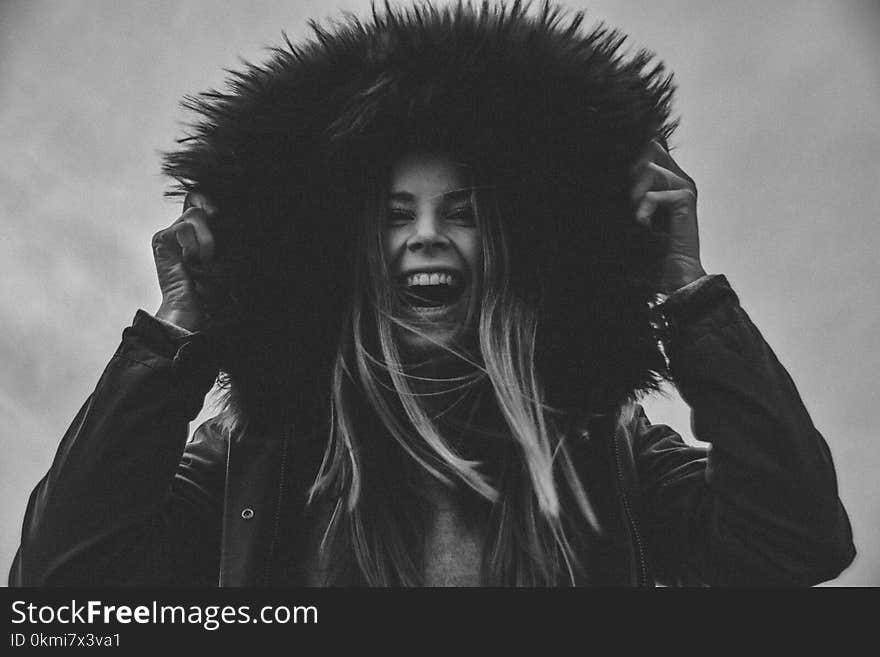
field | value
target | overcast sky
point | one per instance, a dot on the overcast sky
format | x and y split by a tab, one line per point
779	104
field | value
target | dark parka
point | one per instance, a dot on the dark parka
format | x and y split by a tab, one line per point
553	119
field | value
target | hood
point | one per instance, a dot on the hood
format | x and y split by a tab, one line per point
553	113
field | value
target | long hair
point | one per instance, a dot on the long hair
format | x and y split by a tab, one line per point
387	418
543	105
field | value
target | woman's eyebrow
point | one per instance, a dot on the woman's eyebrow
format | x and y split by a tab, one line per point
464	193
453	195
458	195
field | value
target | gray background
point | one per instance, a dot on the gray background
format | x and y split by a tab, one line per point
779	104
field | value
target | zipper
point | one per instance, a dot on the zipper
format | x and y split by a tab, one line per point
634	530
224	529
278	505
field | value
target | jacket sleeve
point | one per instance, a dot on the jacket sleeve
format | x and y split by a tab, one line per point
760	505
128	500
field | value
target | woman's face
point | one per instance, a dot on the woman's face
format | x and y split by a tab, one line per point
433	247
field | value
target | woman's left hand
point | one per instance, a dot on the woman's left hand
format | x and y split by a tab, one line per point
665	198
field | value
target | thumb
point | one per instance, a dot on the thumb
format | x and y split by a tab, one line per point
199	200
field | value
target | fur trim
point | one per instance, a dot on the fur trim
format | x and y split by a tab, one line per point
555	114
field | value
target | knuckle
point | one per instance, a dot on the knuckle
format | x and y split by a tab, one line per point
198	201
195	212
184	228
160	238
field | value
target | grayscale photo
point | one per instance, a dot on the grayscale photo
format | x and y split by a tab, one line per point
577	293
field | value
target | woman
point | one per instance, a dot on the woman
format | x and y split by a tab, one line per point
437	258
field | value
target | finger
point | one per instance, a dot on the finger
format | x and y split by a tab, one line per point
654	152
185	234
197	218
664	159
659	154
204	236
645	210
186	215
653	201
655	178
199	200
190	212
165	242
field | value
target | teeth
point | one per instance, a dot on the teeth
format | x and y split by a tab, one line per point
430	279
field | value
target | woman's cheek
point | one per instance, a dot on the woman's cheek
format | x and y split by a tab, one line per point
392	242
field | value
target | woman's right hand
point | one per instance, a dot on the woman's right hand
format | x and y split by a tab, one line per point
179	251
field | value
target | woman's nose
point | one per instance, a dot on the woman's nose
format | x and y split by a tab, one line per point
427	234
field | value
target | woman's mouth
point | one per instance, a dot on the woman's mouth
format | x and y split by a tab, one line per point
431	292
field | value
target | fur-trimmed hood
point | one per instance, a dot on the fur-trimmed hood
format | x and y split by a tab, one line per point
554	114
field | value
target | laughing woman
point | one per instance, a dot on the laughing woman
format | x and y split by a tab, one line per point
436	259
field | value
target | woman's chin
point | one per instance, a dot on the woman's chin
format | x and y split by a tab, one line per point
428	338
433	330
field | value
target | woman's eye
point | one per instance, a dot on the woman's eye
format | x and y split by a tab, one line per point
464	217
398	217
